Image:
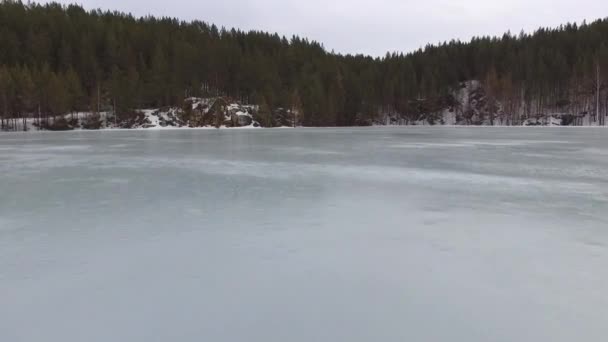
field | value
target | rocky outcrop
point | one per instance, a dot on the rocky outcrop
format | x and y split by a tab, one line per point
472	104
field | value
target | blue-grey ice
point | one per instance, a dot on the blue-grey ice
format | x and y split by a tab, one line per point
302	235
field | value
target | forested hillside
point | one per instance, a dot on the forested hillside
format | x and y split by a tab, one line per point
56	60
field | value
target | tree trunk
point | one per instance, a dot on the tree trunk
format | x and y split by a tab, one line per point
4	115
597	97
115	114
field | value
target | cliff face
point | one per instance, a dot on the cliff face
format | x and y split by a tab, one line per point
474	104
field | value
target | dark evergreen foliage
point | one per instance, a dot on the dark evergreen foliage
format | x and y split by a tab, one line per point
57	59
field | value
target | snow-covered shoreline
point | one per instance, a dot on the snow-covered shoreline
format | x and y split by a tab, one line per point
470	109
159	129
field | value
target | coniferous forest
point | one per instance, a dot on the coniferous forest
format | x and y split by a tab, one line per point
56	60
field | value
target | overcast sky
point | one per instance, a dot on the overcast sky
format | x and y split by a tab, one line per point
371	27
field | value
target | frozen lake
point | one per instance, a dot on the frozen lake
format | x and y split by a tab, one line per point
409	234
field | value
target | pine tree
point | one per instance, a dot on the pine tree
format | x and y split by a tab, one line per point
76	101
26	97
58	96
106	60
296	108
158	78
115	90
492	87
5	97
264	113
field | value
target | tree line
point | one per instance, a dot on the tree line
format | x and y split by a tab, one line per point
57	59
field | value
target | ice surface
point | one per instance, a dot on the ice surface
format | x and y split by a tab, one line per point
388	234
